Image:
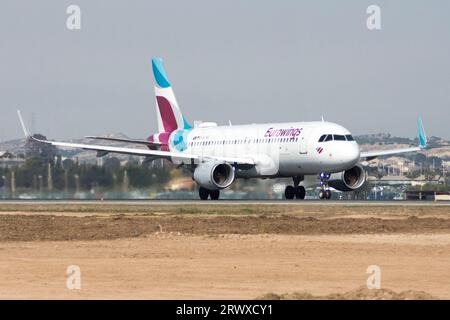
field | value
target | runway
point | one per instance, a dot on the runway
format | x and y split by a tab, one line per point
223	249
344	203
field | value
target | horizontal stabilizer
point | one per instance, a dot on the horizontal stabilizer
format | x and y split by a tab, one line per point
134	141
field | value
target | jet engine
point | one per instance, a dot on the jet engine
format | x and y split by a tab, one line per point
348	180
214	175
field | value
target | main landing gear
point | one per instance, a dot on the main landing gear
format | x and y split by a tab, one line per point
295	191
205	193
325	192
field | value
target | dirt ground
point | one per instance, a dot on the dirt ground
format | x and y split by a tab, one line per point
239	252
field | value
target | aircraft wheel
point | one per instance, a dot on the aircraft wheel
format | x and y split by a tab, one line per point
214	194
321	194
327	194
289	192
300	192
203	193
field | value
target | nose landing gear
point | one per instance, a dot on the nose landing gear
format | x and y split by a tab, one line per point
295	191
325	192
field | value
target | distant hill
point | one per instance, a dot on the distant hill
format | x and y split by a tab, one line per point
386	138
17	147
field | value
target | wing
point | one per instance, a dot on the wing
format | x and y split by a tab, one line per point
369	155
186	158
134	141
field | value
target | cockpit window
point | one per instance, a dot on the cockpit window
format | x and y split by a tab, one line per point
338	137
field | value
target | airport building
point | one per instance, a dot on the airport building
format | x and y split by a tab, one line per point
8	160
427	195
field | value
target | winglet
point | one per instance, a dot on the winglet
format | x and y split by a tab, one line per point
422	136
22	123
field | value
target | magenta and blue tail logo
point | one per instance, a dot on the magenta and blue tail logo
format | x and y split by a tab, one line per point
171	118
179	139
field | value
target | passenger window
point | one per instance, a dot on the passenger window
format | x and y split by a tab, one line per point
329	137
338	137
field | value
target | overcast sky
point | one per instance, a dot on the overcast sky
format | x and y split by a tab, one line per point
244	61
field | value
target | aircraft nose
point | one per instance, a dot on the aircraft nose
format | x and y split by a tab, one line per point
352	153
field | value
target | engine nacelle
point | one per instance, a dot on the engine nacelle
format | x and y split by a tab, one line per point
214	175
348	180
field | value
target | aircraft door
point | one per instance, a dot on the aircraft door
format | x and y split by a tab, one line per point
303	144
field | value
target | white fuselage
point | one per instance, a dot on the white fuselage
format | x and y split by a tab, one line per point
278	149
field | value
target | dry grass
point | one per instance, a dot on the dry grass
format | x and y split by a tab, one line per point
361	293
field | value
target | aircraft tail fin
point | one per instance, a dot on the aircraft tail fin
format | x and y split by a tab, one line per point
169	114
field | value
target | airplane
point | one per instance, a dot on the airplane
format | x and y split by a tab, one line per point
217	155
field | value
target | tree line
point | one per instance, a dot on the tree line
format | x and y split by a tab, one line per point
42	174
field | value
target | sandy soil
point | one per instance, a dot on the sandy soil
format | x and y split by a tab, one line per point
275	255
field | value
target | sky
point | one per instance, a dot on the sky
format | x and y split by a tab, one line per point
243	61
